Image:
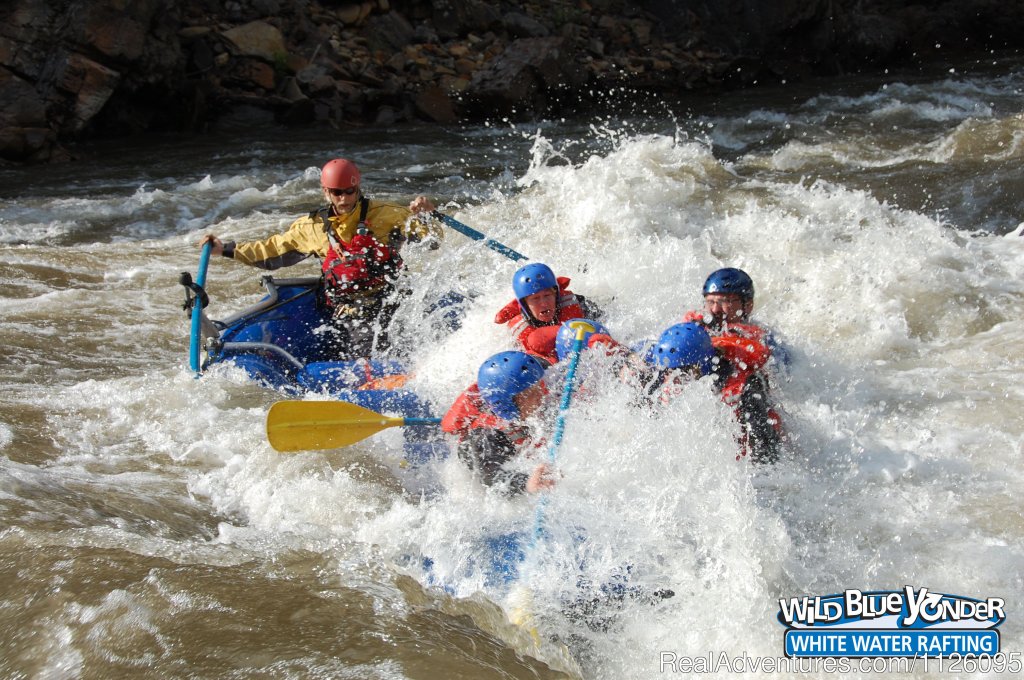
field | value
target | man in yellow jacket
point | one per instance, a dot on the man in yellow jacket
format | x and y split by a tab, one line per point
357	241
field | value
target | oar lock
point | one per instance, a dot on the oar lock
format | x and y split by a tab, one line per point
193	292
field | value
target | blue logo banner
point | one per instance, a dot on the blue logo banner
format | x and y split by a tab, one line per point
890	643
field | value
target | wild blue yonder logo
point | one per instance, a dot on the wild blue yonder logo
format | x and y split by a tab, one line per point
897	623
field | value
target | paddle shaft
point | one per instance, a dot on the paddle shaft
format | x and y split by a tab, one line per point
195	337
563	408
477	236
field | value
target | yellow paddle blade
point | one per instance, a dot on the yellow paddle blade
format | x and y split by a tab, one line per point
316	425
521	601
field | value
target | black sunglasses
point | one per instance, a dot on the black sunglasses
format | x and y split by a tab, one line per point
343	192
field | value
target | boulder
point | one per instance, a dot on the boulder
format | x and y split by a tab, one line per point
519	78
24	31
29	144
253	73
20	104
390	32
258	39
520	25
85	85
434	104
457	18
114	35
872	39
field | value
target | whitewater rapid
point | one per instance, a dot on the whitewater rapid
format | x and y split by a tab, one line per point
137	497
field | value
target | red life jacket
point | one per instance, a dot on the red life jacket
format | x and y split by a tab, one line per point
364	264
746	330
468	412
746	356
536	339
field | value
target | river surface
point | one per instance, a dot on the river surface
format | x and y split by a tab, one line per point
147	529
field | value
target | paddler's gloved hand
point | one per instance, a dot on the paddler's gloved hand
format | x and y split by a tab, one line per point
602	339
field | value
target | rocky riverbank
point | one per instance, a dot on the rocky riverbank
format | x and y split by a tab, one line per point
88	68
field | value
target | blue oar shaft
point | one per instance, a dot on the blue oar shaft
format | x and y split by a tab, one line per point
421	421
477	236
570	385
197	310
563	409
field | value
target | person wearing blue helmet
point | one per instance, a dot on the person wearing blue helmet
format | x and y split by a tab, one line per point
686	347
490	421
728	299
686	352
542	303
728	305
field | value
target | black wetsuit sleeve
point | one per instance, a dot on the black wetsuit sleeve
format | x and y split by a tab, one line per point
285	260
763	439
486	452
591	310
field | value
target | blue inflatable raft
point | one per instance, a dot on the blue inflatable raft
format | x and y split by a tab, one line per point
277	342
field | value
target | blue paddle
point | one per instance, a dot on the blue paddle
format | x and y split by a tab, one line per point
581	328
195	337
521	597
477	236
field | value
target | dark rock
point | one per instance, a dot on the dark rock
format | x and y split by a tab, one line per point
33	145
200	57
73	69
251	73
20	104
389	32
520	25
386	116
265	8
871	39
81	87
245	114
24	131
434	104
519	78
258	39
425	34
26	32
300	112
290	89
115	35
457	18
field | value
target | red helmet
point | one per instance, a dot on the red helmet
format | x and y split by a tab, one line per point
339	173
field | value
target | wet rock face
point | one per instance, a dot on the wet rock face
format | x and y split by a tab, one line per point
62	63
70	70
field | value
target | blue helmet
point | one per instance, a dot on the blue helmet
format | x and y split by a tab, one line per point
533	278
684	344
567	335
730	280
505	375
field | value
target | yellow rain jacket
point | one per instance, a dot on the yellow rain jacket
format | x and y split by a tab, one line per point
390	224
